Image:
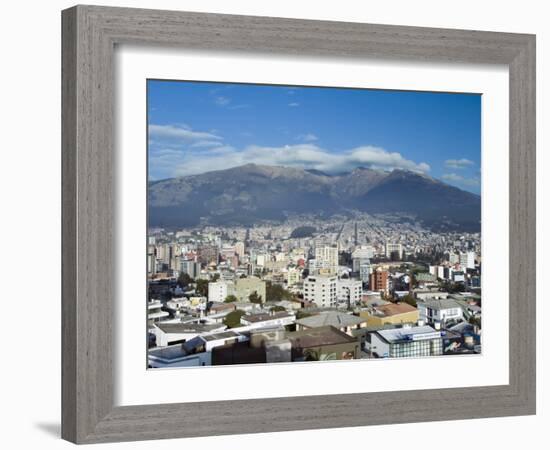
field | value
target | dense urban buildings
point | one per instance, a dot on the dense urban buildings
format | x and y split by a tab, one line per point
364	287
300	223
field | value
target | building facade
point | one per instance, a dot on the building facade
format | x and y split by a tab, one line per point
321	290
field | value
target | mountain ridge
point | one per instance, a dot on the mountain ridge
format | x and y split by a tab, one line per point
250	193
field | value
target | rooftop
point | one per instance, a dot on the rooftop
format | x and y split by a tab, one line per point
407	334
393	309
442	303
223	335
332	318
254	318
319	336
167	354
189	327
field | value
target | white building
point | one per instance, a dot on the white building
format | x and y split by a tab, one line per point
176	333
349	291
467	260
391	247
239	250
361	256
327	258
217	291
406	342
321	290
439	311
155	312
268	320
194	352
364	271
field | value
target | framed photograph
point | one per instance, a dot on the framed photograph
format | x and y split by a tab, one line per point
277	224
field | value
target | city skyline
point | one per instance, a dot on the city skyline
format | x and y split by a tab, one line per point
311	224
195	127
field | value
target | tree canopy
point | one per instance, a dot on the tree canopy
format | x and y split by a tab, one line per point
230	299
276	293
184	279
278	308
202	287
255	298
233	319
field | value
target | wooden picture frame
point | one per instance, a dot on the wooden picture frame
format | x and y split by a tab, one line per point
90	34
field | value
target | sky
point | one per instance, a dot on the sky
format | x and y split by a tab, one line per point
196	127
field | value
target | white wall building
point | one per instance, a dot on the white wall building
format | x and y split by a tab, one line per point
321	290
217	291
361	256
349	291
327	257
441	311
391	247
468	260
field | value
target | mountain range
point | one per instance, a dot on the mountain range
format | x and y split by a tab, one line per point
253	193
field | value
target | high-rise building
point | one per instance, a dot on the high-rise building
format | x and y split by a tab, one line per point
190	267
361	255
321	290
349	291
364	272
378	281
218	291
239	250
394	249
327	258
467	260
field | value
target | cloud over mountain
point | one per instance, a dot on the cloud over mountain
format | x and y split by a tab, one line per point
179	151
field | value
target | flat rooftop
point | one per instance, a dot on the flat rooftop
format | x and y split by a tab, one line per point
179	328
222	335
443	303
407	334
317	337
394	309
330	318
167	354
263	317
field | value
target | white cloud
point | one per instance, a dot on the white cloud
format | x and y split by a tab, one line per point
459	180
293	104
174	132
203	144
307	156
458	163
308	137
222	101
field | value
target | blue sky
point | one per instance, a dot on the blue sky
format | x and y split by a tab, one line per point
195	127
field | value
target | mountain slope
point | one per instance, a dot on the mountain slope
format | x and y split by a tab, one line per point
247	194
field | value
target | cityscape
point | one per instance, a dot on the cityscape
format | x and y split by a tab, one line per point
310	251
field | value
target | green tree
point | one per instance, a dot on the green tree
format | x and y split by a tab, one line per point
184	279
230	299
255	298
278	308
409	299
202	288
276	293
476	321
233	319
300	314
